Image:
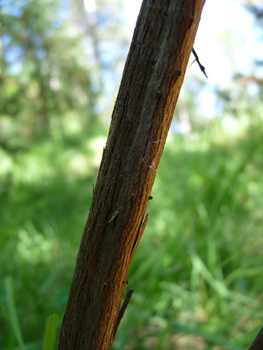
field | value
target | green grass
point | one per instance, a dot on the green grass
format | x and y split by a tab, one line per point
197	273
50	332
12	312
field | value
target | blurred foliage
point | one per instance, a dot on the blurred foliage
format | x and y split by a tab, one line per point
197	273
53	62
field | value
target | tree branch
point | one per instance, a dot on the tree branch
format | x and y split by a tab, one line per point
199	63
150	86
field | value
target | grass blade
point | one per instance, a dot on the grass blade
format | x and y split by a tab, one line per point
10	301
50	332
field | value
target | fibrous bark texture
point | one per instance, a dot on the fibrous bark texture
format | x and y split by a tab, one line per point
150	86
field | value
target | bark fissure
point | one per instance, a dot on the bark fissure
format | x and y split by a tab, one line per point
152	78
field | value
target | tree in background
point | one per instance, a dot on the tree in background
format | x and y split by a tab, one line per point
52	63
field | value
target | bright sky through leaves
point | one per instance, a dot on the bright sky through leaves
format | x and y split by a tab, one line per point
227	39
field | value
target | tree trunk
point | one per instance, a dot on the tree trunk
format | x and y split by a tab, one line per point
150	86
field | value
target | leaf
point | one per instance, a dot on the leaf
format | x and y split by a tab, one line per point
50	332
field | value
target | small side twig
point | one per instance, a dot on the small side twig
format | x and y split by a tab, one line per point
123	308
198	61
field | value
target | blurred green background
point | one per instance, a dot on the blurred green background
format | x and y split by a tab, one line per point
198	271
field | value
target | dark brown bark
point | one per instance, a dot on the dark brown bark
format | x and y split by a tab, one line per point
258	342
150	86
